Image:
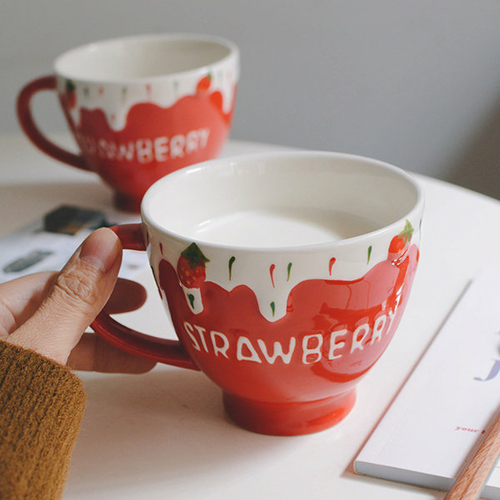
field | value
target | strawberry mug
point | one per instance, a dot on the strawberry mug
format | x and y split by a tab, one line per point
140	107
285	274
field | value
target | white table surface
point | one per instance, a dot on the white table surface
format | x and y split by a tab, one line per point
163	435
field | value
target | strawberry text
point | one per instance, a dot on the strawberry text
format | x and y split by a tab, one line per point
307	349
147	150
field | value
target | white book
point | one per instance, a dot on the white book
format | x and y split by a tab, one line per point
48	242
440	415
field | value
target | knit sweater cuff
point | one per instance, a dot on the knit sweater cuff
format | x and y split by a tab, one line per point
41	407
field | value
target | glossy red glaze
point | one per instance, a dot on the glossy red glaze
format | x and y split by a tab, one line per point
165	351
289	419
291	376
30	128
154	141
131	236
309	360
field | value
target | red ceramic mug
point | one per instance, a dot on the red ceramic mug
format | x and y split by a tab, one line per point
140	107
285	274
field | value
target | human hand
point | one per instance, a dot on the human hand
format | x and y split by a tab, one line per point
49	312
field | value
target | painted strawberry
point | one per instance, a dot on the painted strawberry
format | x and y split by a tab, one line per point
400	242
191	267
70	94
204	84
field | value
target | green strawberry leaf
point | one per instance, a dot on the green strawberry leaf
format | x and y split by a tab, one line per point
70	86
230	265
407	232
194	256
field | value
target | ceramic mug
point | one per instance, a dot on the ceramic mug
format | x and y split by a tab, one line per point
140	107
285	274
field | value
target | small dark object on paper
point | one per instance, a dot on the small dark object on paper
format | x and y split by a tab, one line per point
32	258
69	220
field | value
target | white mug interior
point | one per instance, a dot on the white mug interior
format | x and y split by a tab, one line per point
281	200
143	57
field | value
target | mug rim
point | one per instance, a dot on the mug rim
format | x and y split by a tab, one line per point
200	37
416	209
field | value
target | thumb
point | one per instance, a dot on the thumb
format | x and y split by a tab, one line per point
77	296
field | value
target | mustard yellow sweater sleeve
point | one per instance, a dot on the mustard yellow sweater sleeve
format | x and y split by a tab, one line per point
41	407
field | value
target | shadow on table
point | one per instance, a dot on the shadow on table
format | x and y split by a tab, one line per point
166	427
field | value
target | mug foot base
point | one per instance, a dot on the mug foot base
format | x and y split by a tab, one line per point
288	419
127	203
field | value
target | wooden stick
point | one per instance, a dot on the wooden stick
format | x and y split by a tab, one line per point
474	476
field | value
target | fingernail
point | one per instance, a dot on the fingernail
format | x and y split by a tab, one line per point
100	249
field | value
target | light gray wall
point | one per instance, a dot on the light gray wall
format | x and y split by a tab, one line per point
412	82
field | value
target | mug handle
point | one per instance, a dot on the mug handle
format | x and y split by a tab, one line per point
170	352
25	117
